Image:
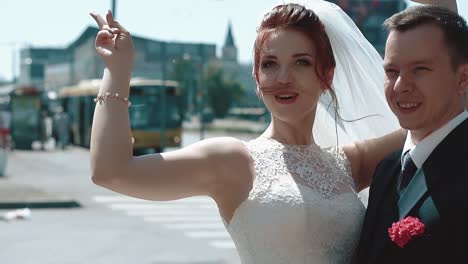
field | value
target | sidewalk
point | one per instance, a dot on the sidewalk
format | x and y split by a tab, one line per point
17	195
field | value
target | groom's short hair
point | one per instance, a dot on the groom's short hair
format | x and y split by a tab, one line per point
453	27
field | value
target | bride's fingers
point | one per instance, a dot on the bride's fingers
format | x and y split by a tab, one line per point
107	28
115	30
103	25
103	36
114	24
99	20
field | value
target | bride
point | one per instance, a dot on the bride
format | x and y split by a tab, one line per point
289	196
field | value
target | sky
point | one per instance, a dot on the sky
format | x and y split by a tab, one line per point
57	23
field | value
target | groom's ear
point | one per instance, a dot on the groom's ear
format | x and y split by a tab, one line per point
462	79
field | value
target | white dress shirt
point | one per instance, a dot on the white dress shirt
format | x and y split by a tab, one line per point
421	151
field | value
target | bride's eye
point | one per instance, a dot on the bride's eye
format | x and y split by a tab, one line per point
303	62
267	64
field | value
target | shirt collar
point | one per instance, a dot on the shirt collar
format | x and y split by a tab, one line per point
421	151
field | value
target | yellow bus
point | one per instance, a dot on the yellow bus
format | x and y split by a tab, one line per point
155	118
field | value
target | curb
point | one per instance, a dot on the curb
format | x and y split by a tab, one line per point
40	205
18	196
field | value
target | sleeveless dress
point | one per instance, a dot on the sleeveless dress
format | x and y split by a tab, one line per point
303	207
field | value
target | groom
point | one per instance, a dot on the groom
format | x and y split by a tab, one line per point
426	65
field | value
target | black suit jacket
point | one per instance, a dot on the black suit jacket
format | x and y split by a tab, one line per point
443	207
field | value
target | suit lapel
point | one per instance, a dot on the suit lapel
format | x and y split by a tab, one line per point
432	170
428	176
385	211
412	194
383	179
380	187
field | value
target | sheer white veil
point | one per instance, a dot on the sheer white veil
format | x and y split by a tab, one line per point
358	83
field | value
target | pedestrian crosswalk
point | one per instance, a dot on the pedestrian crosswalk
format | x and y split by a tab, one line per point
196	217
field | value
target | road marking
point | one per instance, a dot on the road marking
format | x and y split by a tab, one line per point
171	219
170	212
208	234
223	244
121	199
196	217
218	225
138	206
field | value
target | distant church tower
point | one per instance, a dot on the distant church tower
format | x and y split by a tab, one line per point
229	47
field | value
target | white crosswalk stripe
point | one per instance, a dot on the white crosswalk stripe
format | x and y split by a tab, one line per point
181	219
119	198
197	217
209	234
167	212
218	226
123	206
222	244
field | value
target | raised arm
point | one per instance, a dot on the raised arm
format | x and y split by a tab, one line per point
365	155
194	170
111	145
450	4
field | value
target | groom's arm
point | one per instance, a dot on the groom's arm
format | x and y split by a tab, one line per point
450	4
365	155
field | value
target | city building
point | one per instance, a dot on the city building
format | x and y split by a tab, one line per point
34	61
229	52
53	68
369	16
240	72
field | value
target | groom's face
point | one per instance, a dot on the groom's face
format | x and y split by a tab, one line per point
422	87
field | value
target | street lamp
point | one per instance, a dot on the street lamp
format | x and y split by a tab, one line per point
113	8
13	46
201	98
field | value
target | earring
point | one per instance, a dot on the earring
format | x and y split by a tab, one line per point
259	94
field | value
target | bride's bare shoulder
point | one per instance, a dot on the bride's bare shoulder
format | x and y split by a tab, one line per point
224	147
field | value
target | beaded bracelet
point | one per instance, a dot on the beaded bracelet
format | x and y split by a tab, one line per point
103	97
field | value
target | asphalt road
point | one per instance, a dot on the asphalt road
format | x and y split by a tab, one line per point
108	228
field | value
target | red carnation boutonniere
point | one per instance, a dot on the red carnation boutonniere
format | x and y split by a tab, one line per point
406	229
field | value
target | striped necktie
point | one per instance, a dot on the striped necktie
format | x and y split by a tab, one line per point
408	169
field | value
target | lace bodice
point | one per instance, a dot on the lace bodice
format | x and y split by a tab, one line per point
302	207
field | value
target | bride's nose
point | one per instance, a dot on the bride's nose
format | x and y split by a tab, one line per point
283	75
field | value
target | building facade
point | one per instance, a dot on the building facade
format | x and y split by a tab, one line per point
34	61
369	16
240	72
52	69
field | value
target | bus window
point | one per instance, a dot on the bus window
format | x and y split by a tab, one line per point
143	111
147	111
171	91
173	117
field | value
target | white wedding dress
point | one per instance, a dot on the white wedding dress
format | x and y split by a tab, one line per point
302	207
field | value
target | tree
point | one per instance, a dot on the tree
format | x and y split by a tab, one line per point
183	72
221	93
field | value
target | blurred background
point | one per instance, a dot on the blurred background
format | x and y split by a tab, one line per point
192	80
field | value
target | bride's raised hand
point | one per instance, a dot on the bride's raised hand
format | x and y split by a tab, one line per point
113	43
